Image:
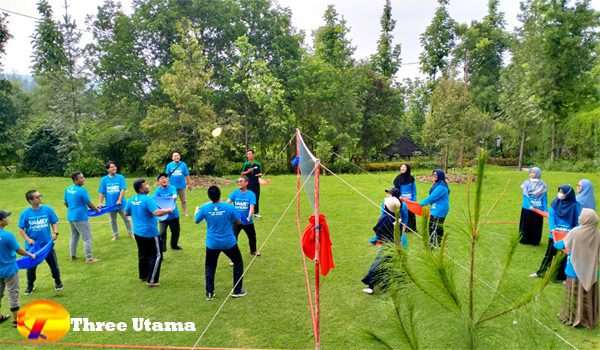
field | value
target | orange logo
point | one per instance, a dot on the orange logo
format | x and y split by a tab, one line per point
43	320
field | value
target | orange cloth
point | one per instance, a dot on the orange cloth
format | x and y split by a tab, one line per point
308	244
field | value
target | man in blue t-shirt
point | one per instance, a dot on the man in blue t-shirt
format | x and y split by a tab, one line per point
179	177
166	197
220	218
143	211
9	273
111	192
244	201
77	201
38	225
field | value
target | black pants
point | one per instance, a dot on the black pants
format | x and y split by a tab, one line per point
412	222
173	225
52	262
250	232
530	227
256	190
375	276
210	267
149	258
547	261
436	231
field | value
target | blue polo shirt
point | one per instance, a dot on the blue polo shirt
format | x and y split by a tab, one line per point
77	199
37	223
241	202
177	173
220	218
8	254
168	193
141	208
111	187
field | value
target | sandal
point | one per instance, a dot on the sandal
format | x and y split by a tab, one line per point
4	318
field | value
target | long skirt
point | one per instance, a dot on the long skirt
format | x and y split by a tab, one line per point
580	308
530	227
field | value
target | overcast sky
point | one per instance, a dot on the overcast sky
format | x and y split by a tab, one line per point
412	16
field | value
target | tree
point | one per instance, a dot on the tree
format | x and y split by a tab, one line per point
48	43
185	120
4	34
454	122
43	152
559	41
416	102
331	40
438	40
266	116
14	108
387	59
481	48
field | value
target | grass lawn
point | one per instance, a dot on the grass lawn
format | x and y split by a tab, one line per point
274	314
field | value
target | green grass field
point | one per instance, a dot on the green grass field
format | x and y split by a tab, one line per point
274	314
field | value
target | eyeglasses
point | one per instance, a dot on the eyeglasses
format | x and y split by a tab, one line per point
37	197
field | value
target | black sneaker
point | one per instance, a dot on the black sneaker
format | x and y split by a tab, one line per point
59	287
29	290
243	293
176	248
210	296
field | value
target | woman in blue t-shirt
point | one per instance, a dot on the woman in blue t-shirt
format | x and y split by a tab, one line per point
563	215
535	196
405	183
439	199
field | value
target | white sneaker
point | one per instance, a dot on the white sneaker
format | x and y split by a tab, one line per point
534	275
231	263
368	291
239	295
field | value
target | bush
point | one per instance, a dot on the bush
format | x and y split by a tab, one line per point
88	165
416	163
588	165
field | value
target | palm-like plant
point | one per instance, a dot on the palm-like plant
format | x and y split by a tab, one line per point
422	284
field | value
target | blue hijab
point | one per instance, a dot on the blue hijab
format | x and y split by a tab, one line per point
586	197
566	208
441	180
534	187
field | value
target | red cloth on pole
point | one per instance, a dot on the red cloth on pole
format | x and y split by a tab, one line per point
308	244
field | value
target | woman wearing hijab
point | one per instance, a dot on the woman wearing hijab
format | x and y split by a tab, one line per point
384	233
585	194
405	183
535	196
438	197
562	216
582	302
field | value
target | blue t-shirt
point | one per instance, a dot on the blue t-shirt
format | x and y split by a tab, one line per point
540	202
77	199
111	187
439	200
8	254
141	208
37	223
177	173
220	218
556	222
168	193
241	202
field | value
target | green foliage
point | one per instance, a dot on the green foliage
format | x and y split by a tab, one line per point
332	44
438	40
43	153
387	59
4	34
185	121
481	48
14	108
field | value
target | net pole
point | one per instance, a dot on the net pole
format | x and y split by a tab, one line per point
317	258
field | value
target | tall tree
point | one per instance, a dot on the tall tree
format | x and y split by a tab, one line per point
481	49
185	120
438	40
331	41
4	34
49	55
387	59
560	41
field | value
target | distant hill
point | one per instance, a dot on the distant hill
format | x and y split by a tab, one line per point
25	80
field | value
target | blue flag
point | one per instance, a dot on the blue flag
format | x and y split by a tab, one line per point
41	252
104	210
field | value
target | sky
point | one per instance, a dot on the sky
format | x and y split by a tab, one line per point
362	16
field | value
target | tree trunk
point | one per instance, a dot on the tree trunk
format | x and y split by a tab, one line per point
552	140
521	149
461	155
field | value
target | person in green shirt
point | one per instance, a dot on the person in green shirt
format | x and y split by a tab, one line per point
253	170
